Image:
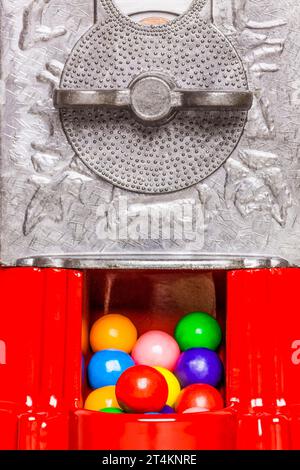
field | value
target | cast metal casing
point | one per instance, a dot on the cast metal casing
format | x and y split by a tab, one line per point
51	200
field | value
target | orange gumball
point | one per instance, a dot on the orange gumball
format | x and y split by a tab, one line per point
104	397
113	331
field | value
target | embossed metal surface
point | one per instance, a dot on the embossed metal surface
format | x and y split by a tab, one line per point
50	200
191	53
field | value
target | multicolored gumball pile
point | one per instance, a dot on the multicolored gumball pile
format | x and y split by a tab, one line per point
155	373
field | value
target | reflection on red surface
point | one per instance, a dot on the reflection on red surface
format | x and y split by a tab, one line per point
263	377
40	357
139	432
40	325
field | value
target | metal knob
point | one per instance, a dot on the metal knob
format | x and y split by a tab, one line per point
154	99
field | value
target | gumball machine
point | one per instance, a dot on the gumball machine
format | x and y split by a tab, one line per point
149	225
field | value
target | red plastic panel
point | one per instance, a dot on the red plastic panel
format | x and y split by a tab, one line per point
295	427
94	430
263	431
40	327
43	431
8	426
263	357
263	338
40	367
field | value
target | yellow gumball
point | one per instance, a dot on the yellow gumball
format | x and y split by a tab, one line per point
113	331
104	397
173	385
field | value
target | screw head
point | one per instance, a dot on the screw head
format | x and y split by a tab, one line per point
151	99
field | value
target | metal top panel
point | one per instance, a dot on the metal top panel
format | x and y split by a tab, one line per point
193	55
52	203
165	261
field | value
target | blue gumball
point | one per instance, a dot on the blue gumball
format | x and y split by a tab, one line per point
199	365
106	366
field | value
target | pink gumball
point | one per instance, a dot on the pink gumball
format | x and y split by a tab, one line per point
156	348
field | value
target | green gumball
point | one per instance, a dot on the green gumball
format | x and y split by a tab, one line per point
198	330
111	410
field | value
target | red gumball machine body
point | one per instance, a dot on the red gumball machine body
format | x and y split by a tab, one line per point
41	401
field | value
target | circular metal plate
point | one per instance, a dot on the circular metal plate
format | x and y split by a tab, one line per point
193	54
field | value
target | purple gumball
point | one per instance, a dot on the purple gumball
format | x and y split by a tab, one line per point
167	410
199	365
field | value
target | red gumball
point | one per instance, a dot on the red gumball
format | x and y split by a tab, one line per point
141	389
199	396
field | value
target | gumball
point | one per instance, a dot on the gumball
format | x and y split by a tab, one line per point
199	396
112	410
198	330
173	385
100	398
141	389
167	410
106	366
199	365
156	348
113	331
195	410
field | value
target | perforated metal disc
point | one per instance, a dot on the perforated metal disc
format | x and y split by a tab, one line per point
194	54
